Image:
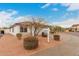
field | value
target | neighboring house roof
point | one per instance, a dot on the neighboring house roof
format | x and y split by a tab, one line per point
28	23
75	25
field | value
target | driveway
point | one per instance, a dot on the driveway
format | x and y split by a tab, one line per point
69	47
74	33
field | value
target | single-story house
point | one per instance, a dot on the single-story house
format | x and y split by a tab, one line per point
25	28
75	27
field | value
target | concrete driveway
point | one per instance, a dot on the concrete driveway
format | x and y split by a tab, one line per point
69	47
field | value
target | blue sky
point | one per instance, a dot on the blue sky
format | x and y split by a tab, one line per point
54	13
36	10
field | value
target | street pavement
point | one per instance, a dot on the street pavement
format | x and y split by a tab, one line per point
69	46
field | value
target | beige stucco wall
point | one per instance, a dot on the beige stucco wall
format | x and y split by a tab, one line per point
66	30
43	30
16	30
77	28
73	28
5	30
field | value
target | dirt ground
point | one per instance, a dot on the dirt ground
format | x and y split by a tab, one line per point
11	46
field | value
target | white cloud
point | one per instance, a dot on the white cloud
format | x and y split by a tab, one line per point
71	6
46	5
26	18
65	4
67	23
6	18
22	19
55	9
12	12
74	7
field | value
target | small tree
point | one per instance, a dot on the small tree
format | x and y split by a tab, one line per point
38	24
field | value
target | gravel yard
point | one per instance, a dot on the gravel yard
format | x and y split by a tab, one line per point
11	46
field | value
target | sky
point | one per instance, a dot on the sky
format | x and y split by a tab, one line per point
62	14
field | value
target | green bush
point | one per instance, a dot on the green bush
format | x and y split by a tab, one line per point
19	36
30	43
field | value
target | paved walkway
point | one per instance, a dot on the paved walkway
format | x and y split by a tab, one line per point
69	47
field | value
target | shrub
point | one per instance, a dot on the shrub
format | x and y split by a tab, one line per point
19	36
57	37
30	43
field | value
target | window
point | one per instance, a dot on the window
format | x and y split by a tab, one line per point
23	29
